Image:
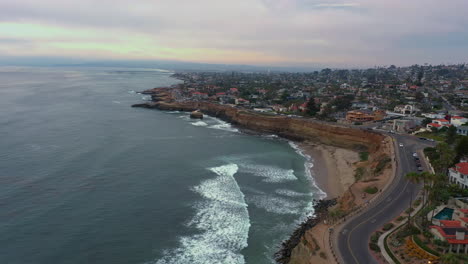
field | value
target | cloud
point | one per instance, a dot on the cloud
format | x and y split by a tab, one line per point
286	32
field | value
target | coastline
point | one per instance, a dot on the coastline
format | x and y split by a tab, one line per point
333	169
334	150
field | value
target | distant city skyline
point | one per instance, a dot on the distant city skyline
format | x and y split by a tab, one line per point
286	33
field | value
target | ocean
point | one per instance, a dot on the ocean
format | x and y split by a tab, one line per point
85	178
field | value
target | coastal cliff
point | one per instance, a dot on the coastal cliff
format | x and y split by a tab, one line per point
301	246
287	127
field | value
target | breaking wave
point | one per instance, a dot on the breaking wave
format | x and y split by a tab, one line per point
199	123
308	165
223	220
221	125
270	174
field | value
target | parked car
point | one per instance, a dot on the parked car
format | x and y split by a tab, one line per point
421	138
415	154
420	168
401	145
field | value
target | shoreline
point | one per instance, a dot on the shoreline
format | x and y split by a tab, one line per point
333	169
333	150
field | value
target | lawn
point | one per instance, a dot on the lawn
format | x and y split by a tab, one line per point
434	136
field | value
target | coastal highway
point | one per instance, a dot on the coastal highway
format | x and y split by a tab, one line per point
352	240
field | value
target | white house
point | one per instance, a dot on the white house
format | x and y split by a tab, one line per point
442	122
405	109
432	115
459	174
462	130
458	120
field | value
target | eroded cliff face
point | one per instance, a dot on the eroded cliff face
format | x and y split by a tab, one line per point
292	128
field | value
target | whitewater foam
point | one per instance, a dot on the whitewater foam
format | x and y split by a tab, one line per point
291	193
221	125
308	165
199	123
271	174
276	204
223	220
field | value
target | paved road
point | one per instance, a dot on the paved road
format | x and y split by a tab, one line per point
353	239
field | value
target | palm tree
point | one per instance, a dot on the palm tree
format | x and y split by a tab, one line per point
446	158
413	177
449	258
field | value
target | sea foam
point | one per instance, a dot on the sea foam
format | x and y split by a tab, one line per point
221	125
270	174
308	165
199	123
223	220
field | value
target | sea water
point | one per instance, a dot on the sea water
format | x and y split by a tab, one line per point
85	178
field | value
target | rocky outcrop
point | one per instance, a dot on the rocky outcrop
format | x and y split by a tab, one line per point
196	114
320	210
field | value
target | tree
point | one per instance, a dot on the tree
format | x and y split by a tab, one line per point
462	147
312	108
426	121
451	135
446	158
413	177
449	258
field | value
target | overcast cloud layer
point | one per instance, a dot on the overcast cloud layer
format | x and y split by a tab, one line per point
275	32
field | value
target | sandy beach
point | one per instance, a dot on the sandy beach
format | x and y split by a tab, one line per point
333	168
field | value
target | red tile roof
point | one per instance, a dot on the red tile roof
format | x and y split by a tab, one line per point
458	117
450	223
462	168
442	120
455	241
434	125
465	211
464	219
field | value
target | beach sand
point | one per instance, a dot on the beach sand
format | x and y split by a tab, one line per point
333	171
333	168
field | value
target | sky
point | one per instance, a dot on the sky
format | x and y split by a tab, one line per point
335	33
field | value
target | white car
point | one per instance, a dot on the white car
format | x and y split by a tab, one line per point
401	145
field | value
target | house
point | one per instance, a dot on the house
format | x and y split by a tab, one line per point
241	101
462	130
438	123
459	174
458	120
405	109
454	233
233	91
442	122
360	105
199	95
364	115
434	115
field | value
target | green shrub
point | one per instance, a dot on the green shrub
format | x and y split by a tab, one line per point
409	210
375	237
359	173
364	156
371	190
382	164
388	226
400	218
408	231
424	246
374	247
